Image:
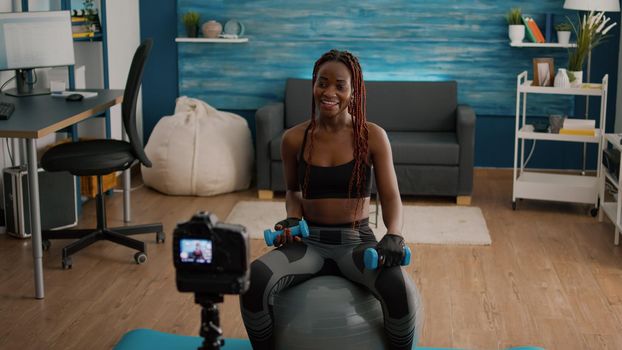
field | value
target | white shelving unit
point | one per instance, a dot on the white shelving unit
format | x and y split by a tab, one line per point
553	45
212	40
548	185
611	208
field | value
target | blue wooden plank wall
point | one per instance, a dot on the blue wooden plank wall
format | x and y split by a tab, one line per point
158	21
394	40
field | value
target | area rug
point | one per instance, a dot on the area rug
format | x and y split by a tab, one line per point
422	224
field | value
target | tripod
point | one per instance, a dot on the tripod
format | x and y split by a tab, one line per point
210	322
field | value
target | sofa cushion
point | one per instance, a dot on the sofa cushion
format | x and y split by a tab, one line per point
412	106
424	148
427	180
394	105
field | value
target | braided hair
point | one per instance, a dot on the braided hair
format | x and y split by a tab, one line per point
358	111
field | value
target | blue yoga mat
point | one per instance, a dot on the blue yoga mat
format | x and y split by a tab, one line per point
147	339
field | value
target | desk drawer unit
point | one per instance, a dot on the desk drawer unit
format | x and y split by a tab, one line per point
57	201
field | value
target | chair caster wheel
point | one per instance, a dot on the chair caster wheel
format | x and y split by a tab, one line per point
160	237
594	212
67	263
46	244
140	258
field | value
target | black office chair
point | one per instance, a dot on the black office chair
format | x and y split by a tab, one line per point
102	157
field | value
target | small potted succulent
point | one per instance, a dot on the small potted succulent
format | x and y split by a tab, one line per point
563	32
191	22
516	29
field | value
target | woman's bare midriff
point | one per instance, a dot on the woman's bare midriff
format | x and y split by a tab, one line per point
331	211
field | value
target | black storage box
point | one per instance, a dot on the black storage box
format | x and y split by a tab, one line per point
57	201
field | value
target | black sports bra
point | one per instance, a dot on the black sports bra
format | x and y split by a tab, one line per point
329	182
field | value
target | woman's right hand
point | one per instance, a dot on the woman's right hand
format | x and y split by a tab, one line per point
286	237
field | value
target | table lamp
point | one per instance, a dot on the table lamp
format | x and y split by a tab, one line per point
591	5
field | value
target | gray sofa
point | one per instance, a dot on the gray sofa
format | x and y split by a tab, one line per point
431	135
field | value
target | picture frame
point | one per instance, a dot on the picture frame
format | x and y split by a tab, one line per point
543	71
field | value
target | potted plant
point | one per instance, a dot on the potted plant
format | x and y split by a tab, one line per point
191	22
563	32
516	29
590	31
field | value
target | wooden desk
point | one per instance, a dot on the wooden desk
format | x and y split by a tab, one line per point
35	117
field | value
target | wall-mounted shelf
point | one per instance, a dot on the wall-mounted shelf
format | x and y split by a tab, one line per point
212	40
554	45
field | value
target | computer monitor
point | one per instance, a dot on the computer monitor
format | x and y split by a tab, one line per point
31	40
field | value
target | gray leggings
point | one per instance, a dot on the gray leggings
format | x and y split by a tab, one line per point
331	250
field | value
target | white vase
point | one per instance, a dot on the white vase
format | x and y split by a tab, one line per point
578	78
563	37
516	32
561	79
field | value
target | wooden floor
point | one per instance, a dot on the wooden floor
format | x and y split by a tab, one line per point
552	277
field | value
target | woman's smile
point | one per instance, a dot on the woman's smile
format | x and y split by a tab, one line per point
329	104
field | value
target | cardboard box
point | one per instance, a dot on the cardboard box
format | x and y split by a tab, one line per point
88	184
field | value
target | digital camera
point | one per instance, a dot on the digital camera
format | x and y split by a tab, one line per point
211	257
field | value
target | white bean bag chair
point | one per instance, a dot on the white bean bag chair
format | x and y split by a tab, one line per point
199	151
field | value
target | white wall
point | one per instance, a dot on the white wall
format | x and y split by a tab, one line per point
123	30
89	56
43	5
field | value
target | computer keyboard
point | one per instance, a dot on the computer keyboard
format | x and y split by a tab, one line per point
6	109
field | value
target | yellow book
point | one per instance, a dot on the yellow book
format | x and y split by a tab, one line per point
581	132
83	35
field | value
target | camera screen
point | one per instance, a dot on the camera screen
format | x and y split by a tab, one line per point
198	251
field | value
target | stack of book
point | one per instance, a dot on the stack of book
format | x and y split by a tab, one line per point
87	26
533	31
583	127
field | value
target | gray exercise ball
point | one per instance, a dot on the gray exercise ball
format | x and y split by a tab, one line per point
328	312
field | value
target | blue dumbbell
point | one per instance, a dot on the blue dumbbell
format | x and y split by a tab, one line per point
371	258
301	230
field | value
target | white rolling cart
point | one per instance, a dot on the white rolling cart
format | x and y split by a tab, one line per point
611	205
549	185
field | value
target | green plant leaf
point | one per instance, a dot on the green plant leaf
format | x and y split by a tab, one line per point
514	16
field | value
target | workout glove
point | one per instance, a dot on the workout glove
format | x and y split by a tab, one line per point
391	248
289	222
286	237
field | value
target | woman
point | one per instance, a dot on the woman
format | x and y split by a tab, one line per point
327	165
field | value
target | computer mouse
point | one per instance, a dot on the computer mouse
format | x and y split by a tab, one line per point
74	97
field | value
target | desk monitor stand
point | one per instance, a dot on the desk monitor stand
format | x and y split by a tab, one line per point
25	85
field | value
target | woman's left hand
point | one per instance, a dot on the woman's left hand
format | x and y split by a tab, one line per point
391	248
